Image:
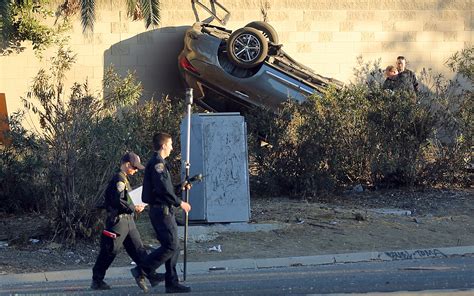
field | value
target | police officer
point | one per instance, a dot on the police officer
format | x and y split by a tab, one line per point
120	228
159	192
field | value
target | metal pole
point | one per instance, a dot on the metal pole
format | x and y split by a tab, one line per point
189	102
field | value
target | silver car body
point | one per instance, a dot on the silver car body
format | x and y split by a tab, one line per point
219	85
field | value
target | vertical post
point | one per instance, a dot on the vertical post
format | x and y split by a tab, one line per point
189	102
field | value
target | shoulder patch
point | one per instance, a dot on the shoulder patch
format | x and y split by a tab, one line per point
160	167
120	186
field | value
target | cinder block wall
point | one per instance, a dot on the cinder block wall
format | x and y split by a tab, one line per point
326	35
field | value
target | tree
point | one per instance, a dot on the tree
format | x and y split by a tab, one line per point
148	10
20	20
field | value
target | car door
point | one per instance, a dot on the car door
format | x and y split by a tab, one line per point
270	87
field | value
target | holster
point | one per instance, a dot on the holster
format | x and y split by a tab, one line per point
112	217
166	209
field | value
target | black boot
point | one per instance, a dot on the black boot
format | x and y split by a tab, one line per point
156	278
99	285
153	277
139	278
178	288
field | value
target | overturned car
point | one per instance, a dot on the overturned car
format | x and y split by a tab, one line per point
234	71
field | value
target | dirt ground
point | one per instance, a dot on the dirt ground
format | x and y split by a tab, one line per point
335	224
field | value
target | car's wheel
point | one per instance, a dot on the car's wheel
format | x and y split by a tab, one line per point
267	30
247	47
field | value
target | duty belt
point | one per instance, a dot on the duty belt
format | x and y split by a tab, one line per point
166	209
160	206
125	215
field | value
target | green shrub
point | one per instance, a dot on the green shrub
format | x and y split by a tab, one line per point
398	126
365	135
81	139
313	146
23	187
447	157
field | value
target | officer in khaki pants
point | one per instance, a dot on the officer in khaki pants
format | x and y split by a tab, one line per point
120	229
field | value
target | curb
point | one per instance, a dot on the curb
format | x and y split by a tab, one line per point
242	264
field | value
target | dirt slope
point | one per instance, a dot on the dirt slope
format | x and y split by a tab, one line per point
336	224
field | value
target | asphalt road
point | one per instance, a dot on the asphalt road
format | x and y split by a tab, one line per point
454	273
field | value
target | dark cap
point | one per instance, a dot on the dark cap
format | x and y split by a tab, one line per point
133	159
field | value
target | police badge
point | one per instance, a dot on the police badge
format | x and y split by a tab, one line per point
160	167
120	186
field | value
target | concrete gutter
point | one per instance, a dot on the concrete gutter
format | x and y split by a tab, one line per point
242	264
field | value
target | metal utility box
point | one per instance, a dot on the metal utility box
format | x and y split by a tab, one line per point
218	151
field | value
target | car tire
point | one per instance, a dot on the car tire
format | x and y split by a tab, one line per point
267	30
247	47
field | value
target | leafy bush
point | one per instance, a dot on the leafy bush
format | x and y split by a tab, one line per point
365	135
80	143
397	128
23	187
462	62
447	157
310	143
150	117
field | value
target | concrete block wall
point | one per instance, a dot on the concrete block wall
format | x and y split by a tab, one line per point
326	35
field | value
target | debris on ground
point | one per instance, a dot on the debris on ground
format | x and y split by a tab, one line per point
215	249
359	217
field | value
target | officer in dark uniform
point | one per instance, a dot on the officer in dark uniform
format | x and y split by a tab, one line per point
159	193
120	228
